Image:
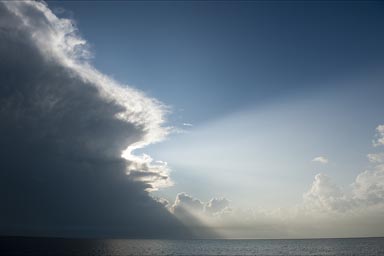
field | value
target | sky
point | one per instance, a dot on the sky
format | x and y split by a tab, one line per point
234	119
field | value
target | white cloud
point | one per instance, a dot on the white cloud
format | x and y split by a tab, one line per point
365	194
324	195
368	187
320	159
326	210
216	205
376	158
185	202
186	205
379	136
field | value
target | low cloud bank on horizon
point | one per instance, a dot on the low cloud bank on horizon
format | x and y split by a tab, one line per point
327	210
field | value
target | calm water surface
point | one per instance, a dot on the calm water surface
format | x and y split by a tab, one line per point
340	247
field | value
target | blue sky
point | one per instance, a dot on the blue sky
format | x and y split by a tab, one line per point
230	55
266	86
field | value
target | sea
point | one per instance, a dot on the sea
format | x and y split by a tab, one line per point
122	247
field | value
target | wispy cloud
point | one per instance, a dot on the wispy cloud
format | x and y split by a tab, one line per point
320	159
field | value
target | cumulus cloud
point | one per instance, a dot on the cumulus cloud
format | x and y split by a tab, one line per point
324	195
320	159
68	135
217	205
376	158
366	193
186	204
364	196
356	210
326	209
368	187
379	137
198	215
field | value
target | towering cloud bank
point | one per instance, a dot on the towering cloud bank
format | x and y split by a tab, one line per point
63	130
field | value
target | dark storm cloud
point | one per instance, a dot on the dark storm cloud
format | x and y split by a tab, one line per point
63	128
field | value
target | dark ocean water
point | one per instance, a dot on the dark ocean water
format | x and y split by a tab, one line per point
44	246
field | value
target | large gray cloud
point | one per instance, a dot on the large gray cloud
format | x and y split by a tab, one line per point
63	130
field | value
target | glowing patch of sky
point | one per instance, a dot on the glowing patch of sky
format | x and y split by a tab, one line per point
262	156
